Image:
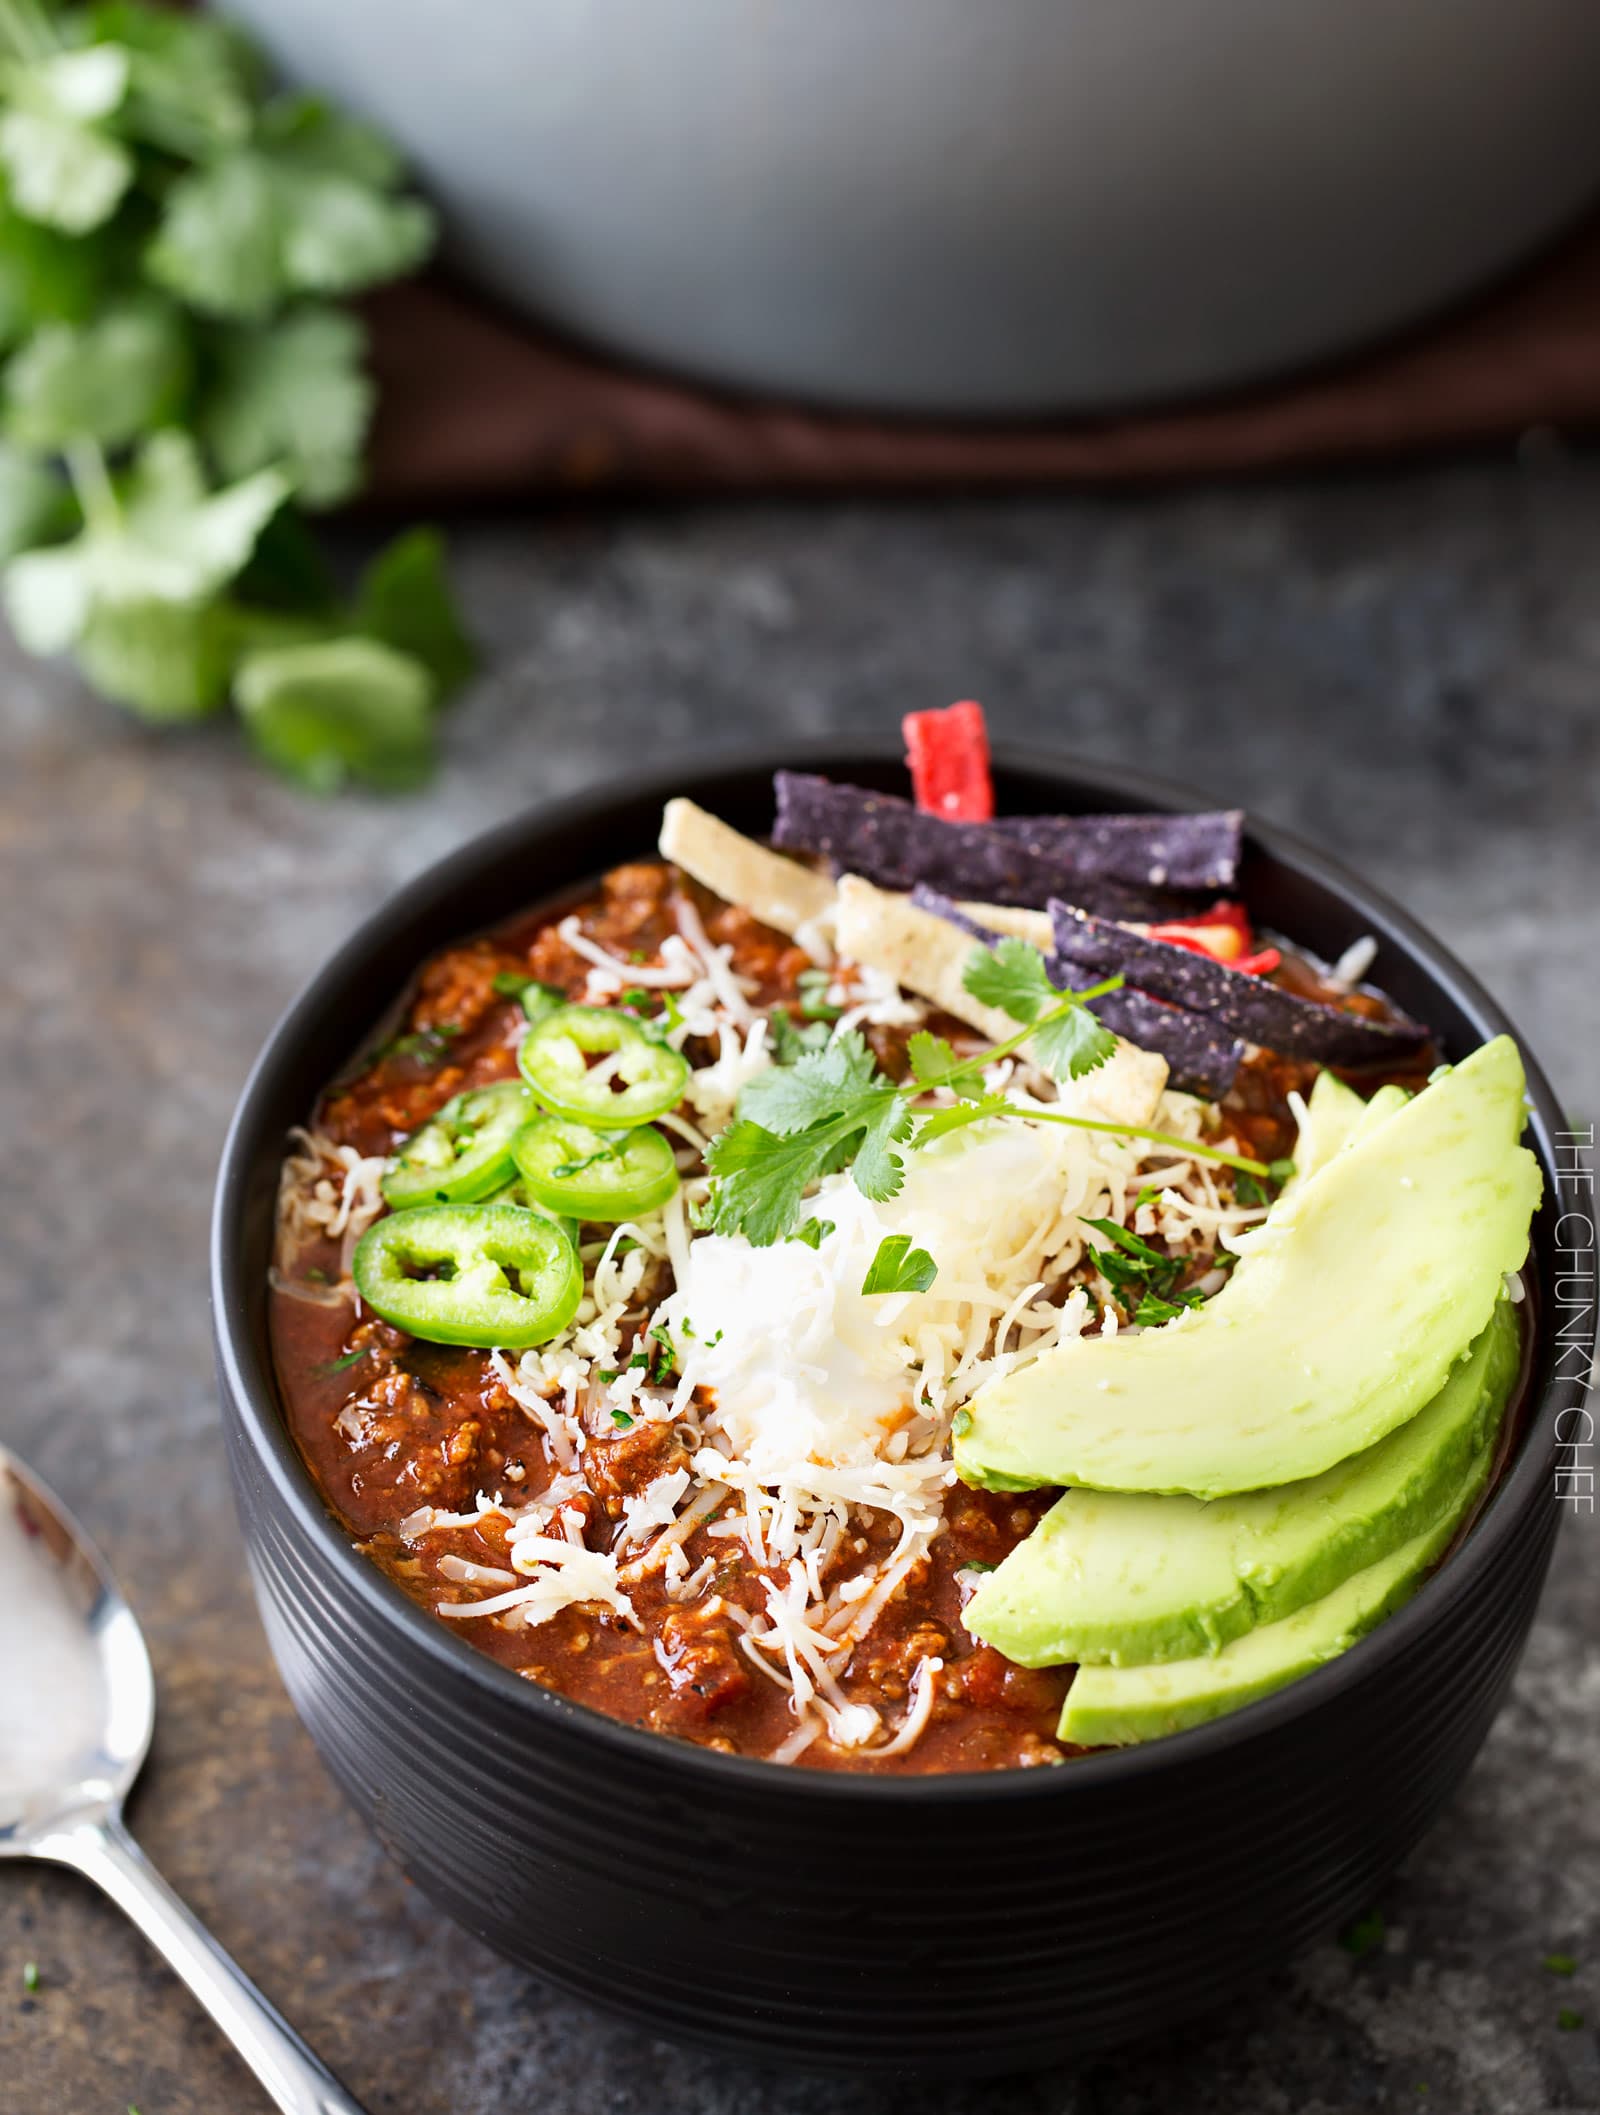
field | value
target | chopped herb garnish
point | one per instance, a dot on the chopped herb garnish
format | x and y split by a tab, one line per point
351	1358
1559	1964
540	999
1249	1189
30	1976
661	1366
790	1043
1365	1935
1150	1194
657	1012
424	1046
1569	2021
316	1274
608	1374
622	1420
898	1267
976	1564
812	1232
812	987
510	984
1144	1280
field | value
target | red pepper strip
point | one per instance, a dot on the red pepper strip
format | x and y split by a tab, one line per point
948	753
1258	965
1223	932
1222	912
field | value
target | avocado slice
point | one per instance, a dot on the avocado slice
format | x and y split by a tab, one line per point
1112	1707
1126	1579
1346	1311
1333	1111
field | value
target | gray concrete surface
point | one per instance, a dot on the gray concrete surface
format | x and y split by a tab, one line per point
1407	667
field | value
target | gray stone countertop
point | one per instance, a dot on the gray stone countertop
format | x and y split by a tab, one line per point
1406	667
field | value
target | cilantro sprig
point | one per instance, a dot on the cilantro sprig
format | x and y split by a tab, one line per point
830	1107
178	388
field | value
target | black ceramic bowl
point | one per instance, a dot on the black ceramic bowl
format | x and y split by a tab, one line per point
967	1923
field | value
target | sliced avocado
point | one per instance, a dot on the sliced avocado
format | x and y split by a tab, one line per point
1343	1316
1124	1578
1333	1111
1335	1117
1111	1707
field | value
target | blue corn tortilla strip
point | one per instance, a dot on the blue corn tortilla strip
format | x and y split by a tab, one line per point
1244	1005
1123	866
1201	1058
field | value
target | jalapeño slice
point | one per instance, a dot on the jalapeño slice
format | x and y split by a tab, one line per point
482	1274
595	1175
464	1152
597	1066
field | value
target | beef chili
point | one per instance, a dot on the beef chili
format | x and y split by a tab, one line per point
595	1517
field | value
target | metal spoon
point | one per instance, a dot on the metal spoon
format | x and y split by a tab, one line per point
77	1707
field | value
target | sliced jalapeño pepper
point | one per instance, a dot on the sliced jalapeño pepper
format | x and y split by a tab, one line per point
482	1274
463	1153
595	1175
631	1077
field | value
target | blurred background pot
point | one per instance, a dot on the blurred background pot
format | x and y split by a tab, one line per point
937	206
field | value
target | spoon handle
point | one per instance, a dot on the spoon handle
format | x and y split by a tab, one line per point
296	2080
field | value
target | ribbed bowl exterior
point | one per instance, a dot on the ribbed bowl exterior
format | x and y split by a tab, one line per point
956	1924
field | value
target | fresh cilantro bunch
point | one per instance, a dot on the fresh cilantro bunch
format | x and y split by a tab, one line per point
827	1106
178	389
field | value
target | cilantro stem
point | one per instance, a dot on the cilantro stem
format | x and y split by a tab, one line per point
91	482
1273	1171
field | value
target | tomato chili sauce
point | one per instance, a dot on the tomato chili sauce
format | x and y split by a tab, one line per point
388	1424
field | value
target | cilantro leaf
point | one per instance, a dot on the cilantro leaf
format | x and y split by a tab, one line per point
932	1059
164	660
35	505
66	167
760	1178
898	1267
811	1233
879	1171
161	537
295	396
1073	1045
340	709
820	1084
405	601
305	208
109	379
191	77
45	276
1012	976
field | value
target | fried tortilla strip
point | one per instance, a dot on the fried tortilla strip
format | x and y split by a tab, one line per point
927	954
776	890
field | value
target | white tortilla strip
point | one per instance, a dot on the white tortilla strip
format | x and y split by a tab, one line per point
927	954
1032	926
776	890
